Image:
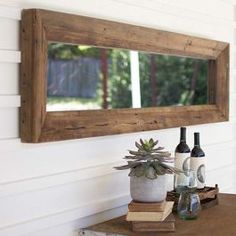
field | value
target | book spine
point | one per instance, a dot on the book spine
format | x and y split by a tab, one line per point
146	208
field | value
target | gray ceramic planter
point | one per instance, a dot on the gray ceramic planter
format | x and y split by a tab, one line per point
147	190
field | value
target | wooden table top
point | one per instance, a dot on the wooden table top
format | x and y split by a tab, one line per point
219	220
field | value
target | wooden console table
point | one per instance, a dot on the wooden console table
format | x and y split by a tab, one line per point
219	220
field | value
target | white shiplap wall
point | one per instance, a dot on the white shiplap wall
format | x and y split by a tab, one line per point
56	188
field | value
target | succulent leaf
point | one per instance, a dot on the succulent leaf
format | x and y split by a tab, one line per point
139	171
138	146
159	169
148	160
122	167
158	149
155	143
141	141
151	140
162	154
150	173
139	152
132	172
131	164
131	157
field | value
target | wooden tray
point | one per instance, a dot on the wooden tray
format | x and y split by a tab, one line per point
208	197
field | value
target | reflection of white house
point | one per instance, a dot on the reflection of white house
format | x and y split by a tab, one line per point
135	79
53	189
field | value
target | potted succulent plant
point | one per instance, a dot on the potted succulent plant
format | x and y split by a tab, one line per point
148	171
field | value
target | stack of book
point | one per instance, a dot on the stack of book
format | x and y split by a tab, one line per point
151	216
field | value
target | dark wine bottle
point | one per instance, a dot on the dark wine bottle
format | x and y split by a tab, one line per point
197	162
182	147
182	157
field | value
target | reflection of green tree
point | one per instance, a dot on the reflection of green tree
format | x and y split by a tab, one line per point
119	76
174	77
69	51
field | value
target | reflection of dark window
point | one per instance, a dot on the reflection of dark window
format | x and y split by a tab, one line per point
73	78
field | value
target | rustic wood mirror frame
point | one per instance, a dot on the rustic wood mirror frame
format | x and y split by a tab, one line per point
38	27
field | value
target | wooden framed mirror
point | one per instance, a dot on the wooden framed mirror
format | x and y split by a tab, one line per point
42	31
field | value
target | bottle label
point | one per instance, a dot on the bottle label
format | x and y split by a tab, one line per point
197	164
182	162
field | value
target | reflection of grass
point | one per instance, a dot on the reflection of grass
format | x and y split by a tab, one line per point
72	103
62	100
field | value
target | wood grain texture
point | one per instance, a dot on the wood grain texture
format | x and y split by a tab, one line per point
85	30
40	27
80	124
33	76
222	82
217	221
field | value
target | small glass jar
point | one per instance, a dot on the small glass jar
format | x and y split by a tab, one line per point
189	204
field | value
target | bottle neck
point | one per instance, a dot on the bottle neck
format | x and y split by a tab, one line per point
196	139
183	135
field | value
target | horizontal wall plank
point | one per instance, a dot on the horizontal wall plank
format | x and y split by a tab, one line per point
39	228
9	124
104	7
224	176
195	7
9	101
232	105
233	53
9	78
6	144
231	188
10	56
86	198
10	12
52	223
234	82
9	39
233	70
181	8
56	180
184	10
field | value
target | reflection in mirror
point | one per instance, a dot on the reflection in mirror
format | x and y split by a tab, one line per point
88	78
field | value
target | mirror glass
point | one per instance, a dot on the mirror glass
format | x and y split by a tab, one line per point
82	77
